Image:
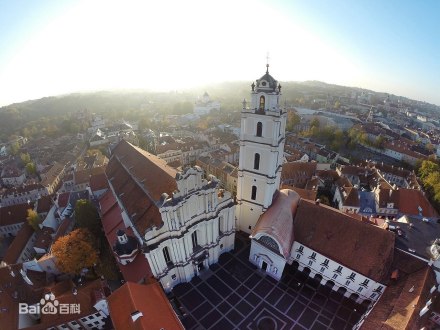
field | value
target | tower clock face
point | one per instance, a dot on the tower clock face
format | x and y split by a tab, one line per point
263	83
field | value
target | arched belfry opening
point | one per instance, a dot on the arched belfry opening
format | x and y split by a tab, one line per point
262	102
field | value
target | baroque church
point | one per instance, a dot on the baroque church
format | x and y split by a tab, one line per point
179	223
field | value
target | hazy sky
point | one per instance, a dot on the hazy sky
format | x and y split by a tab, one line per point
55	47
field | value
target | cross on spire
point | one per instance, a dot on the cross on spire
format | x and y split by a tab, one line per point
267	62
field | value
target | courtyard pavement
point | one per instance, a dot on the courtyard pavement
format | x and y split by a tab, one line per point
234	294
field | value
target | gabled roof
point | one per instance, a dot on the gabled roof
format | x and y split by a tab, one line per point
364	248
150	300
14	213
139	179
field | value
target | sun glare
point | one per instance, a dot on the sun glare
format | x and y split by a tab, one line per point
168	45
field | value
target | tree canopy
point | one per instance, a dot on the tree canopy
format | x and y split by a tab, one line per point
33	219
86	216
75	251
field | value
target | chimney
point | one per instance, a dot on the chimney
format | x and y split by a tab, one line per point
135	315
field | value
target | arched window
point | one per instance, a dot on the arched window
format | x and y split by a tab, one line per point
262	102
166	255
257	161
259	128
254	193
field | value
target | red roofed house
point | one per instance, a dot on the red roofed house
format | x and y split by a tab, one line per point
135	306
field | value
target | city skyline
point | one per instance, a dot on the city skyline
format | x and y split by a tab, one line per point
56	48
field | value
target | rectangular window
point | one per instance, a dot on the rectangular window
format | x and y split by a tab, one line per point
310	262
351	277
166	255
300	249
360	289
335	276
365	282
379	288
373	295
194	240
347	283
338	270
313	256
325	263
322	269
298	256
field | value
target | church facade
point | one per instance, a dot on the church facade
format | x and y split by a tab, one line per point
182	221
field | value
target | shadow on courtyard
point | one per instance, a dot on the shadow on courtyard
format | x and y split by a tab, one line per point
236	295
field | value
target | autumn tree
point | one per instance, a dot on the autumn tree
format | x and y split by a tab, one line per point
75	251
86	216
33	219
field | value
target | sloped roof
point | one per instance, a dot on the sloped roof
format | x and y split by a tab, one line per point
111	218
139	179
399	306
277	221
150	300
295	169
98	182
18	244
14	213
362	247
410	199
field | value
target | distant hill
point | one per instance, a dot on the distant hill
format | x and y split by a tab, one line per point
14	117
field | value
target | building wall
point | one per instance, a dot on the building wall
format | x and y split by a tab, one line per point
200	210
10	230
341	276
275	262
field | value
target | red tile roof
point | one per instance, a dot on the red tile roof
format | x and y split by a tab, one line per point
98	182
14	213
148	299
139	269
410	199
364	248
139	179
44	204
18	244
400	304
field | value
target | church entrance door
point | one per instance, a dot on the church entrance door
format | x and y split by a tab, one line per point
264	265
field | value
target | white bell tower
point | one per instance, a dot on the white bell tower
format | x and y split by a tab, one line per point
262	138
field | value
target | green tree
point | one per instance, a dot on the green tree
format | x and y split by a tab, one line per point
292	120
315	123
25	158
75	251
33	219
427	168
14	148
86	216
31	168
